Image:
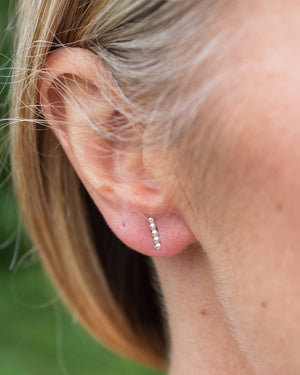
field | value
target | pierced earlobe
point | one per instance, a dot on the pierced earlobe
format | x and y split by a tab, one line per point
154	231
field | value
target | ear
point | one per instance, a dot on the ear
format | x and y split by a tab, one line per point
74	87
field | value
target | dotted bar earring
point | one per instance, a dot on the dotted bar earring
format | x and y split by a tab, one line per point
154	233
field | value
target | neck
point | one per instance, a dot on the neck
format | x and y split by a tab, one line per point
201	339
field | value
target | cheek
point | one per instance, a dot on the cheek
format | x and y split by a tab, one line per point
253	220
256	223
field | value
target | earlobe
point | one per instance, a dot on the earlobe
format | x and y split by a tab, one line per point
126	196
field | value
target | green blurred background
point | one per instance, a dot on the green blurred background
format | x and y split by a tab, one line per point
37	334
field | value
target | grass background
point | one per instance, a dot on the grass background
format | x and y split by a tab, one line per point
37	334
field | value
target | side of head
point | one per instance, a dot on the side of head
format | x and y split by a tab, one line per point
107	84
184	111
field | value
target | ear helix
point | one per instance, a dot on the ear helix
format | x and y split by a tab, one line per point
154	231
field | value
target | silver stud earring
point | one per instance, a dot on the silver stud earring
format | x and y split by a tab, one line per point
154	233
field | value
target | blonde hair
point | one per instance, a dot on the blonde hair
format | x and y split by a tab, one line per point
147	46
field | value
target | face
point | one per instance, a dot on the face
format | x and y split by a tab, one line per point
251	225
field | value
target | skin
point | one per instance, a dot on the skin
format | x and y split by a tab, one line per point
229	273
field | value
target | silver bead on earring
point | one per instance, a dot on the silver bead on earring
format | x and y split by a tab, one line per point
154	233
